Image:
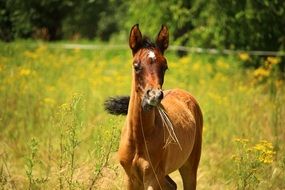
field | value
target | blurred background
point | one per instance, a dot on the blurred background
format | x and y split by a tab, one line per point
246	25
60	59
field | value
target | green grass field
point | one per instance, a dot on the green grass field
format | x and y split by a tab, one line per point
54	133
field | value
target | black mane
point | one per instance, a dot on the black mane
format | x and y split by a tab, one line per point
147	43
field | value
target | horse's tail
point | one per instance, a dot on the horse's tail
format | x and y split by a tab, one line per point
117	105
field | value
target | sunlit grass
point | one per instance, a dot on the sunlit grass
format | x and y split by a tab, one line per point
54	132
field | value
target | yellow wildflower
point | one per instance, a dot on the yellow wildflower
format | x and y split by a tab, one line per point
41	49
25	72
196	67
209	68
65	107
185	60
76	50
222	64
220	77
202	82
218	99
273	60
115	60
242	88
261	72
49	101
30	54
265	152
236	158
244	56
242	141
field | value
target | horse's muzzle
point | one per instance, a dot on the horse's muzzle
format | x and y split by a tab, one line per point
152	98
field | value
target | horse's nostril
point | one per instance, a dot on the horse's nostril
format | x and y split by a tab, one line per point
160	95
148	91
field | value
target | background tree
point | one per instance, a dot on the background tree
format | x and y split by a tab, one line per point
94	19
236	24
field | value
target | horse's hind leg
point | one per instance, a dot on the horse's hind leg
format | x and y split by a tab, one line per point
170	184
188	171
188	177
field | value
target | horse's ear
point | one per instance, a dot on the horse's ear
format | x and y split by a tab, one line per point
162	39
135	39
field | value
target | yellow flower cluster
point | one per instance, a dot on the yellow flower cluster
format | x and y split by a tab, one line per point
273	60
242	141
265	70
196	66
220	100
222	64
185	60
49	101
24	72
265	152
244	56
65	107
261	152
261	72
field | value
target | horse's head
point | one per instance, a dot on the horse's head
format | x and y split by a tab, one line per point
149	65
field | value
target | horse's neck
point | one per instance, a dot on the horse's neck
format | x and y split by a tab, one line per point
138	120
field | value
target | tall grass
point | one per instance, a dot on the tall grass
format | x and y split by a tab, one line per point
55	134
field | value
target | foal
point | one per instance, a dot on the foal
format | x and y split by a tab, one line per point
145	152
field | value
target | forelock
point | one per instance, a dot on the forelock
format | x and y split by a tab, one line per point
147	43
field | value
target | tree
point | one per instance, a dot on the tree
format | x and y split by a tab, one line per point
49	14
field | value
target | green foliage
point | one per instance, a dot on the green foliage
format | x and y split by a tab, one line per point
38	18
93	19
69	123
232	24
47	16
31	162
14	20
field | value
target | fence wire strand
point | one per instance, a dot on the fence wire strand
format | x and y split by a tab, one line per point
174	48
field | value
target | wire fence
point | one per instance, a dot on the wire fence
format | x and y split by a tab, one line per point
175	48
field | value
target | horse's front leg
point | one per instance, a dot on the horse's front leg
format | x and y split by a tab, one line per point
154	184
161	183
132	185
154	181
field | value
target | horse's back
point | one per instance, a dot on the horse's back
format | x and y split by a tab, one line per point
186	116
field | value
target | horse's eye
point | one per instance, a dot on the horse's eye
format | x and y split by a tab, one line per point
137	67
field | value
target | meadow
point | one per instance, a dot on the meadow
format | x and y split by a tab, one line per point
55	134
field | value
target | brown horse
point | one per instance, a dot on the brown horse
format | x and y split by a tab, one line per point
147	151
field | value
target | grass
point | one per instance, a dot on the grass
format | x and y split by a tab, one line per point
54	132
